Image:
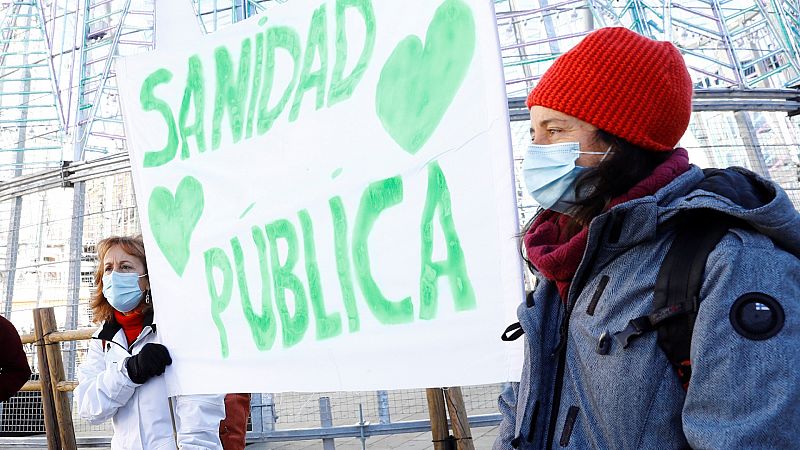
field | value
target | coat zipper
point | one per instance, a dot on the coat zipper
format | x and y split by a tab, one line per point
561	353
142	335
149	330
561	349
111	341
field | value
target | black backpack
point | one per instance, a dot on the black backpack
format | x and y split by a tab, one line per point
677	289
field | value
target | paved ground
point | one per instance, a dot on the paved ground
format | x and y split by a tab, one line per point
482	437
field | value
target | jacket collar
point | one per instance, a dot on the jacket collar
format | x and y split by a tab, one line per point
111	326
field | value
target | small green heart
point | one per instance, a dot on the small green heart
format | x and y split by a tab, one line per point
417	84
172	219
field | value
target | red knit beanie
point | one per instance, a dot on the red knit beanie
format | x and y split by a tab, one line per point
626	84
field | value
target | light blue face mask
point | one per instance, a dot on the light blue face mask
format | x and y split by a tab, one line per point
122	290
550	174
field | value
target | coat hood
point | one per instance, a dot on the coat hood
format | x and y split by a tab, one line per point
739	193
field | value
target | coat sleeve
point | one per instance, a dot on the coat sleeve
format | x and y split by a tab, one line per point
507	404
102	390
197	419
743	391
14	369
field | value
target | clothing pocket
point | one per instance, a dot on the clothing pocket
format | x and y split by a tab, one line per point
534	421
598	292
569	425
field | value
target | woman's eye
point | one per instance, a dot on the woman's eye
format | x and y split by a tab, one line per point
108	269
553	131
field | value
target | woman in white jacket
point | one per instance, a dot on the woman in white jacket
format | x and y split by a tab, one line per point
121	378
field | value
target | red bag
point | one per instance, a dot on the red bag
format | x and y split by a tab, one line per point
233	427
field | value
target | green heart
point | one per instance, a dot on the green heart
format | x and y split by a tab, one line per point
172	219
418	84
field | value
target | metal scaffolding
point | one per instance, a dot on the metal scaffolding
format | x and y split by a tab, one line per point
743	44
64	172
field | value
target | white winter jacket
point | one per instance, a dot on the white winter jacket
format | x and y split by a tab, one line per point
140	413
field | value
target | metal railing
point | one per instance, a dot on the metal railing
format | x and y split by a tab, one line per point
60	431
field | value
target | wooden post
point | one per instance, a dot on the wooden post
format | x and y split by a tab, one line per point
458	418
55	364
50	421
436	410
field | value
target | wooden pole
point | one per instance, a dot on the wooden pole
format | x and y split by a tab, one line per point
458	418
436	410
71	335
64	386
55	363
50	421
61	336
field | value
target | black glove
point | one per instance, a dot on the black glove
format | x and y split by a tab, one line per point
150	362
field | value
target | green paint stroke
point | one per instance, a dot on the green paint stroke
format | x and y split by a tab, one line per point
287	39
317	42
342	87
377	197
262	21
173	219
454	267
150	102
216	258
265	326
336	173
417	84
231	94
257	74
194	92
247	210
293	327
343	262
327	325
262	326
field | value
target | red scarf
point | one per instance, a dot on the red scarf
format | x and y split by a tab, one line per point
132	324
556	253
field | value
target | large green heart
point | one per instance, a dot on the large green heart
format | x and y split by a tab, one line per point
172	219
417	84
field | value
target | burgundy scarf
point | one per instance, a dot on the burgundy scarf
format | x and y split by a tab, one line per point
556	253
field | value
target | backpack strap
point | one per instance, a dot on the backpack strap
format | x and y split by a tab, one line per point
677	289
515	330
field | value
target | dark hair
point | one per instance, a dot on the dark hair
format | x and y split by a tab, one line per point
625	166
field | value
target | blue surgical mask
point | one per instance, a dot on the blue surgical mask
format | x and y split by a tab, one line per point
122	290
550	174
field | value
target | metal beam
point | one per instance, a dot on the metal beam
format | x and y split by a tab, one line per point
12	248
48	45
785	100
82	133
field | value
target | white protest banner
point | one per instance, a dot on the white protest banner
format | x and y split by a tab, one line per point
327	198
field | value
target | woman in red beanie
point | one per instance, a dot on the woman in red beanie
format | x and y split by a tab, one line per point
604	167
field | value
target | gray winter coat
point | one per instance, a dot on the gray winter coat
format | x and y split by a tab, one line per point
743	394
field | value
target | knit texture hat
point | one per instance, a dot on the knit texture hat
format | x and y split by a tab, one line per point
626	84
